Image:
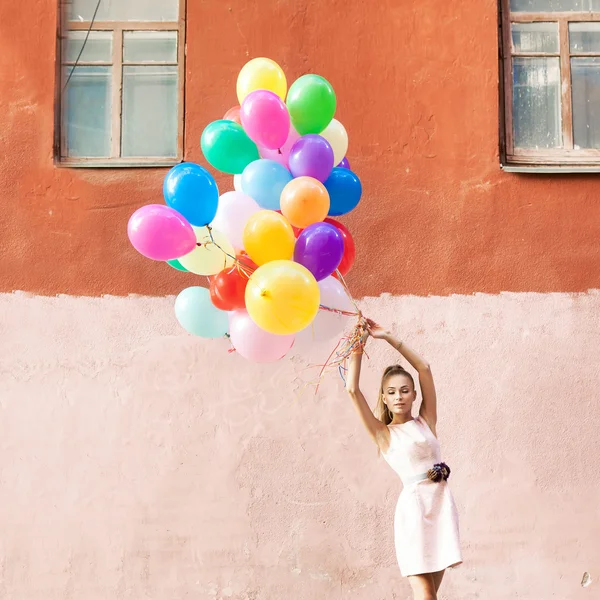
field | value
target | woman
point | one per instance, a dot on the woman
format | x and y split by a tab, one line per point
426	520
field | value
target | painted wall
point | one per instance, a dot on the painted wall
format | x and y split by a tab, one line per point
138	462
417	89
128	472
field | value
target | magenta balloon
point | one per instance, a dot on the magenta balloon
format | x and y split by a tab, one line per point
344	163
320	248
160	232
311	156
281	155
265	119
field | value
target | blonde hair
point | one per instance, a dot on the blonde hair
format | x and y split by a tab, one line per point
381	410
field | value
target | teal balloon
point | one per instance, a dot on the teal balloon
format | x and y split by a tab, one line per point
177	265
227	147
197	314
311	103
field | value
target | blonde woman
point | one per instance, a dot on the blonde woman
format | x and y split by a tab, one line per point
426	521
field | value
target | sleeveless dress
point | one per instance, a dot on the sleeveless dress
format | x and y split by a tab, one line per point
426	521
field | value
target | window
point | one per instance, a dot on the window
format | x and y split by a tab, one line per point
551	76
121	83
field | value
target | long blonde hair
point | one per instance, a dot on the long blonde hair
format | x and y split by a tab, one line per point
381	410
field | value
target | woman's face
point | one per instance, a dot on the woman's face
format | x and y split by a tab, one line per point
399	394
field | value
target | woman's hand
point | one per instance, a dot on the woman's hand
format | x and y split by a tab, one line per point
376	331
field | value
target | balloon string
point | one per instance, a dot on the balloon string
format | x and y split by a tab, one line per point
345	347
338	359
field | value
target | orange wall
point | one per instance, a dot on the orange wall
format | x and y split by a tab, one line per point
417	90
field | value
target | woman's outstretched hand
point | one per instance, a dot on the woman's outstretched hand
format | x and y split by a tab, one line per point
375	330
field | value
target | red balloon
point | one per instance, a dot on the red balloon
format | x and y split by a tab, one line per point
215	297
349	247
233	114
228	287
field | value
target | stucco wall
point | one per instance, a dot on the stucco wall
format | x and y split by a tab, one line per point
417	85
139	462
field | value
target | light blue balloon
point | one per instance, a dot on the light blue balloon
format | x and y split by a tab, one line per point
264	181
197	314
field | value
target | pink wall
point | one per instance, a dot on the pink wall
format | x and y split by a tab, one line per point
139	462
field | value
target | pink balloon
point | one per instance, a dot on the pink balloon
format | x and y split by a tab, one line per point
235	208
265	119
254	343
160	232
281	155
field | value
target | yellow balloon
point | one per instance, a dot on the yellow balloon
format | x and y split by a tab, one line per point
282	297
261	74
213	254
268	236
335	133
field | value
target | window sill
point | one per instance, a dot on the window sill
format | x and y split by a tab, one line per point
86	163
550	169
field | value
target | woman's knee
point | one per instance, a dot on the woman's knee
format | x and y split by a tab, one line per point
423	587
426	595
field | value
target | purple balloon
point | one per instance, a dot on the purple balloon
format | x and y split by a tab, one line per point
320	248
160	232
311	156
344	163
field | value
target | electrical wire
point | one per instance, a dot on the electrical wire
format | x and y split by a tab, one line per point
87	35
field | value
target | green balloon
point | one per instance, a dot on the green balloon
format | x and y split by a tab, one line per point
227	147
311	103
177	265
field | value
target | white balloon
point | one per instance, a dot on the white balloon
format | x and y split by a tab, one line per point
327	324
237	182
235	208
335	134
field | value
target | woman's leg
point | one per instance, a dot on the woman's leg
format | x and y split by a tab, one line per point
437	579
423	586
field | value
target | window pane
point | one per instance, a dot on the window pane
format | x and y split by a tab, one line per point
149	46
150	103
553	5
535	37
124	10
585	76
87	112
584	37
98	47
536	102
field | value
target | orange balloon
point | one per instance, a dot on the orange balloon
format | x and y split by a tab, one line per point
304	201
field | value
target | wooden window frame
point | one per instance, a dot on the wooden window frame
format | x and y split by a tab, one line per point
118	28
567	158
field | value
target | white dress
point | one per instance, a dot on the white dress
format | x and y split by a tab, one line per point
426	521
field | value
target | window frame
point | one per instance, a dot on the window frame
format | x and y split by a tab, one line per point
118	28
567	158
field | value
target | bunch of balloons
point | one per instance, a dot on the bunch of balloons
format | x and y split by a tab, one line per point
274	255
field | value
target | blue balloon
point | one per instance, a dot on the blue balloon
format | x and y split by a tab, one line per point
198	315
192	191
264	181
344	189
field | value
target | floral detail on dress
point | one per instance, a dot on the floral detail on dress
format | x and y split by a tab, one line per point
439	472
